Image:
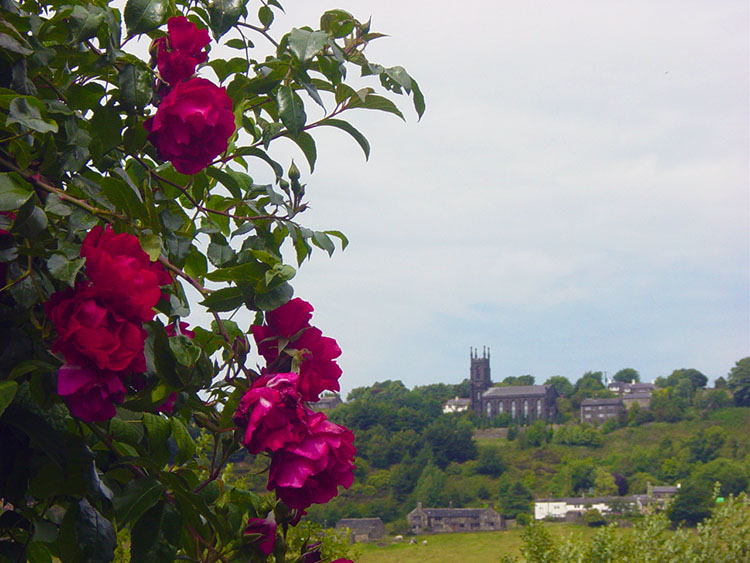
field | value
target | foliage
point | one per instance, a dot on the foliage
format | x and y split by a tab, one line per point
627	375
81	149
515	498
738	381
692	503
594	518
491	462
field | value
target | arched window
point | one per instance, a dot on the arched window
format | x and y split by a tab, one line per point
513	409
489	409
500	408
539	408
525	408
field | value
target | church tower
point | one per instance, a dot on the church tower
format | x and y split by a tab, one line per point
479	377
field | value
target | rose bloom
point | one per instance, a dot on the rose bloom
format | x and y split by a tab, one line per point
272	414
181	50
171	330
192	125
264	532
318	371
90	332
123	272
90	393
312	470
282	323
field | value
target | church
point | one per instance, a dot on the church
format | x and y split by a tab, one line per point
523	403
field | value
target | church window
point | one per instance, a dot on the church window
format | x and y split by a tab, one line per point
489	409
513	409
539	408
525	408
500	408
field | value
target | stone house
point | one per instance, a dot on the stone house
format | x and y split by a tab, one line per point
596	411
439	520
362	529
577	506
326	402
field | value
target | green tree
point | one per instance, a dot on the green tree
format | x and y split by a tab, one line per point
738	381
627	375
604	482
490	462
594	518
515	498
562	385
431	485
692	503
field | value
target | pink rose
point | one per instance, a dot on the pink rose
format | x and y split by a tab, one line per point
318	371
342	560
192	125
168	406
123	272
90	331
181	50
312	470
90	394
171	330
263	532
282	323
272	414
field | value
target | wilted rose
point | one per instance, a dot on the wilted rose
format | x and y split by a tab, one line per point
181	50
192	125
271	414
123	272
91	332
312	470
90	393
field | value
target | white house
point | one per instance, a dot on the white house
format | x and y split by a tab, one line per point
456	405
561	507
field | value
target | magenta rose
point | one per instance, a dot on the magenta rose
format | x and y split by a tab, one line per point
90	331
123	272
181	50
312	470
263	533
342	560
281	324
171	330
192	125
318	371
271	414
90	394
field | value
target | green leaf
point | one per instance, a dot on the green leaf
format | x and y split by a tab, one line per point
157	430
305	142
185	444
275	298
341	236
373	101
419	104
27	111
7	392
247	273
13	192
30	220
135	86
322	240
225	299
185	352
349	128
291	110
145	534
106	129
10	44
151	245
306	44
265	15
64	269
142	16
95	534
256	152
224	14
85	22
136	498
123	197
55	205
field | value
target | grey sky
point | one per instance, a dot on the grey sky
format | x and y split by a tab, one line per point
575	197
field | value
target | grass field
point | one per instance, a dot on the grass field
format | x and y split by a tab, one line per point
481	547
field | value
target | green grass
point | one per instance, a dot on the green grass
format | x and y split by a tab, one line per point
479	547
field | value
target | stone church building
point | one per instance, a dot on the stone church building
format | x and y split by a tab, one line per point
525	403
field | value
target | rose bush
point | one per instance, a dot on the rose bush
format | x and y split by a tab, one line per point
115	414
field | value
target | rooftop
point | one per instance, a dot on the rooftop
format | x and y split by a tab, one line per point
515	391
596	402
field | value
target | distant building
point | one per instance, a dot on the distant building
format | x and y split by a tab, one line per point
362	529
326	402
520	402
456	405
440	520
572	507
596	411
635	388
643	400
660	494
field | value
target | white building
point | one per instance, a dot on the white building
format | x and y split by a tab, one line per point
562	507
456	405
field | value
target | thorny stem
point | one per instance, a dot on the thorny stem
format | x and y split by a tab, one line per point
263	32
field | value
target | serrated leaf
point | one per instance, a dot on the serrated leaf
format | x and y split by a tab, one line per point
135	86
247	273
349	128
27	111
185	444
306	44
85	22
291	110
64	269
224	14
141	16
225	299
275	298
373	101
13	192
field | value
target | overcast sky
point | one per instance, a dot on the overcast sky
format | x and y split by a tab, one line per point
575	197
